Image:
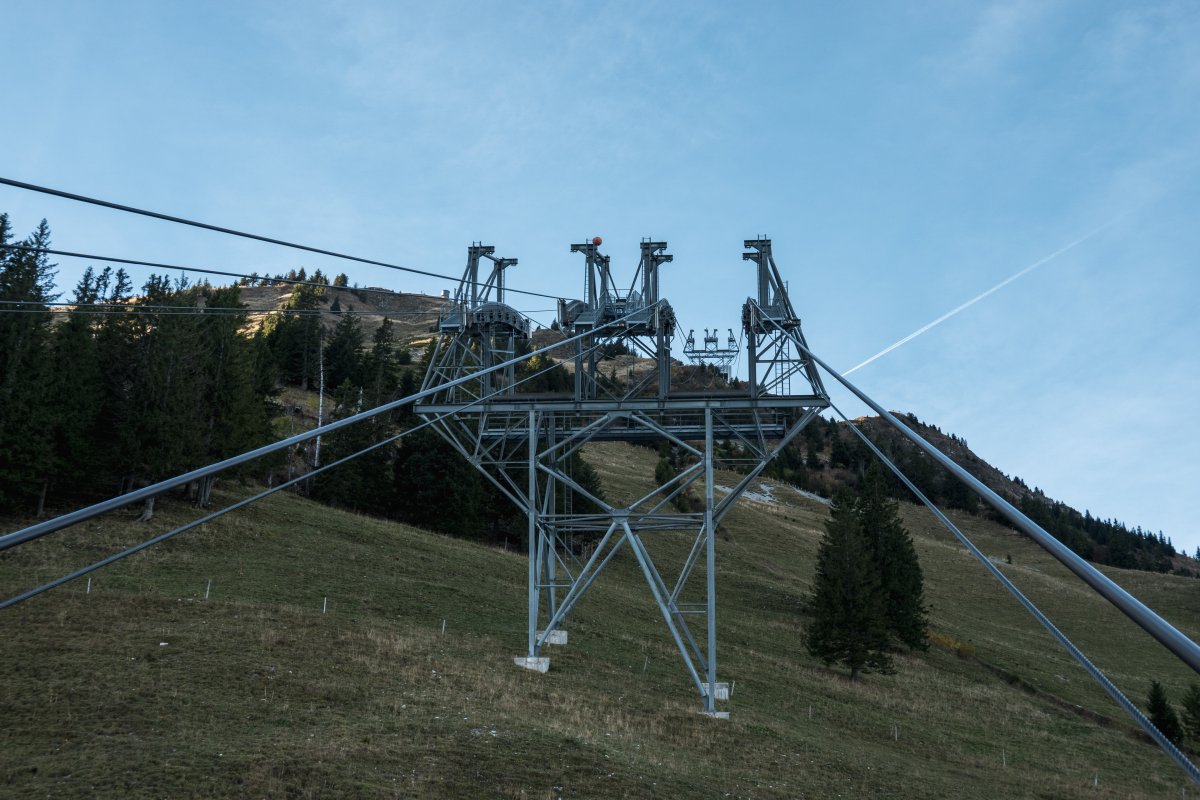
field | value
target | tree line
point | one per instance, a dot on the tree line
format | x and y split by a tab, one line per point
123	390
120	391
827	456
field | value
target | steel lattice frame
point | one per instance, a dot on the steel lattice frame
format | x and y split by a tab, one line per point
524	443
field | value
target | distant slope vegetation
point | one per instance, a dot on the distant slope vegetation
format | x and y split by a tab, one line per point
295	650
826	455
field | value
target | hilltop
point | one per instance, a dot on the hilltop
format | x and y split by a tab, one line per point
145	688
412	314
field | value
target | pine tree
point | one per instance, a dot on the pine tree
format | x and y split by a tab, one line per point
849	624
1191	711
294	338
26	438
235	417
77	385
165	434
1162	715
895	559
380	372
364	483
437	488
343	353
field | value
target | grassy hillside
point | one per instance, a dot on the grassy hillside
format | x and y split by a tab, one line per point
143	688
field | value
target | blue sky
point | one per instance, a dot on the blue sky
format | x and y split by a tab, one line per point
902	159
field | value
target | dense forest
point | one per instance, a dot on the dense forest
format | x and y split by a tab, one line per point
124	389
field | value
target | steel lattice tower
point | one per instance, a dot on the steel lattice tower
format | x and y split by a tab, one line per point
523	442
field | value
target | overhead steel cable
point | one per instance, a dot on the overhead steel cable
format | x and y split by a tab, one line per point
58	523
162	537
1167	634
242	234
1116	694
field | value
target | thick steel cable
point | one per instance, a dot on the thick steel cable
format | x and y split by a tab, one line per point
58	523
1116	694
232	232
162	537
1168	635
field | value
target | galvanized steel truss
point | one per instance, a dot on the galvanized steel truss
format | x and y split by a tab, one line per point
525	443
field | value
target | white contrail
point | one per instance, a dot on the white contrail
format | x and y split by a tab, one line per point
979	297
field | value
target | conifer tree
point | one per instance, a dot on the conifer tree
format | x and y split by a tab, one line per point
847	603
1159	709
343	353
1191	711
26	438
380	371
436	487
364	483
235	417
165	433
77	385
895	559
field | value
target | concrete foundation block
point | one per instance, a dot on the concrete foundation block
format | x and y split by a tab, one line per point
534	663
721	693
556	636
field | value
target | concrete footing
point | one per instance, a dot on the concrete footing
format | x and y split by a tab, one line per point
556	636
534	663
721	691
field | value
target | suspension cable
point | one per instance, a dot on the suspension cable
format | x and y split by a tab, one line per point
230	231
58	523
1116	694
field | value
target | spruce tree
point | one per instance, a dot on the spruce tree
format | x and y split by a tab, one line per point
343	353
1191	711
380	372
364	483
77	385
437	488
895	559
26	438
1161	713
166	431
235	417
849	623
